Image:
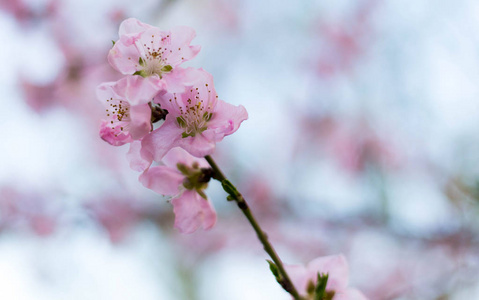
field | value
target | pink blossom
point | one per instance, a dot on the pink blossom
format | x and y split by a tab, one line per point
136	161
116	215
150	52
128	114
182	177
38	97
335	266
43	225
29	12
196	120
21	210
342	44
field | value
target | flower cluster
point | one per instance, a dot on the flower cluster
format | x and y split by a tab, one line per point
156	88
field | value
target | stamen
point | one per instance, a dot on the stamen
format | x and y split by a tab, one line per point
118	115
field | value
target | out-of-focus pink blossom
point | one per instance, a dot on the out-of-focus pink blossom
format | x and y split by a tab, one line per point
73	88
43	225
342	44
150	52
354	145
17	8
223	15
24	12
180	176
116	215
38	97
341	49
196	121
19	210
335	266
128	114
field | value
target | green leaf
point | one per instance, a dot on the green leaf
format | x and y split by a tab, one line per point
311	288
183	169
113	42
181	121
202	194
229	188
207	116
274	269
141	73
166	68
320	291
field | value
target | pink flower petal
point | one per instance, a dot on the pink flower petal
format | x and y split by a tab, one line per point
161	140
177	80
140	124
124	56
162	179
104	92
132	26
179	155
138	90
198	145
226	119
336	266
181	38
137	162
349	294
191	211
112	136
298	276
209	214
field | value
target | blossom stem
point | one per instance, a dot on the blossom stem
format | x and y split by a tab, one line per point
284	280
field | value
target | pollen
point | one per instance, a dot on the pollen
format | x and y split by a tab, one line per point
195	111
154	60
118	112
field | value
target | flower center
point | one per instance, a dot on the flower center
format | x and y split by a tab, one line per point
195	110
196	178
153	66
153	61
118	114
194	119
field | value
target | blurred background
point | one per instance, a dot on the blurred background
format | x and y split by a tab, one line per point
362	139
